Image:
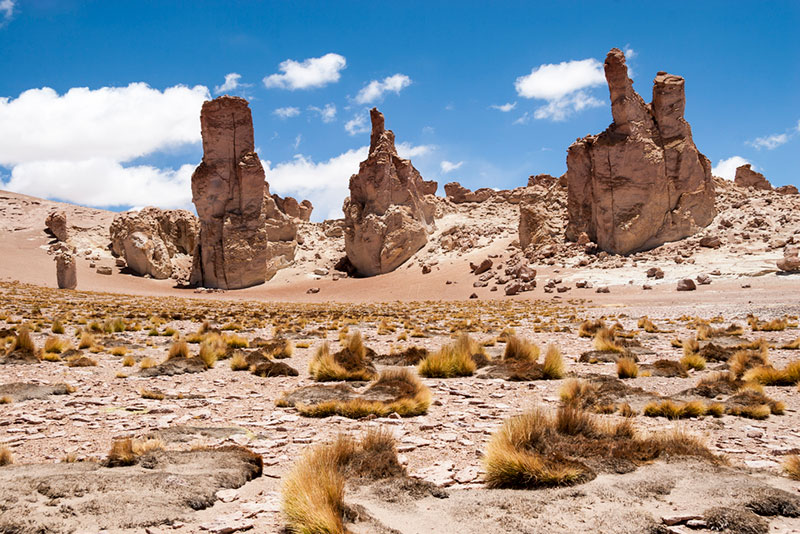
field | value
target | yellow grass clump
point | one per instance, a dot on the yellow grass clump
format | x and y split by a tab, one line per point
456	359
627	368
769	376
589	328
239	362
179	349
519	349
792	466
604	340
325	368
6	457
553	364
693	361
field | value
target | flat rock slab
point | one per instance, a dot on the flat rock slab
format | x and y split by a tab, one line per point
175	366
22	391
91	498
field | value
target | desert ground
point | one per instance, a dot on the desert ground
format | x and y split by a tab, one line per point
126	414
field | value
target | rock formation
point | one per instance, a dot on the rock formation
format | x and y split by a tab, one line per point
787	190
292	208
66	270
155	242
537	224
458	194
56	222
390	210
747	177
791	259
237	215
642	182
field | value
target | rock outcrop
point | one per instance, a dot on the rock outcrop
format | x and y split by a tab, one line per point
787	190
56	222
747	177
292	208
390	210
537	222
458	194
66	270
642	182
791	259
155	242
238	217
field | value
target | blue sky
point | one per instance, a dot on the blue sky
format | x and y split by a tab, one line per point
452	79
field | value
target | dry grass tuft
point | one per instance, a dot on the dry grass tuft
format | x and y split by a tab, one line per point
521	350
686	410
86	341
147	362
589	328
456	359
536	449
792	466
151	394
325	367
313	491
604	340
627	368
23	342
693	361
239	362
128	361
179	349
769	376
55	345
553	365
127	451
743	360
775	325
6	457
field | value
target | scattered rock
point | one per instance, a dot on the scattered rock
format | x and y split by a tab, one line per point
687	284
56	222
66	271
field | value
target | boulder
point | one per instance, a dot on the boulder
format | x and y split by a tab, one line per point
154	242
238	216
56	222
66	271
791	260
292	208
747	177
642	182
458	194
687	284
544	180
390	210
710	241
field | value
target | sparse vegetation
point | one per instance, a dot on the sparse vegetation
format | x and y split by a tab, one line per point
627	368
455	359
553	364
769	376
604	340
6	457
791	465
693	361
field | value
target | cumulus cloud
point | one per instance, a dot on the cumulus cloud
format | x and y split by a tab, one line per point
285	113
325	183
563	86
327	113
374	90
118	123
449	166
769	142
104	182
505	108
231	83
73	146
308	74
726	168
357	125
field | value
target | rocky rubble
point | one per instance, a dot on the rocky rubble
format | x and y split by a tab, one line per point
390	210
154	242
642	182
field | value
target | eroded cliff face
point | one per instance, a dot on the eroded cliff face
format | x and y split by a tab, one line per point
390	210
642	182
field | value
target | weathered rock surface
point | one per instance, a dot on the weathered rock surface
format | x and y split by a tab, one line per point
66	270
642	182
540	216
238	217
791	259
390	210
292	208
458	194
155	242
787	190
56	222
747	177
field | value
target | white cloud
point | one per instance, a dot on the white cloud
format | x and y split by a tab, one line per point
6	10
326	113
505	108
297	141
769	142
285	113
325	183
358	124
104	182
726	168
310	73
629	52
449	166
563	86
374	90
73	146
231	83
117	123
